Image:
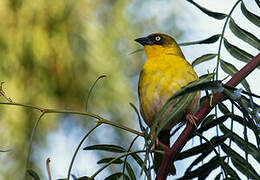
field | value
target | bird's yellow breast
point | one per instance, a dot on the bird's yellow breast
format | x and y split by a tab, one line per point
162	75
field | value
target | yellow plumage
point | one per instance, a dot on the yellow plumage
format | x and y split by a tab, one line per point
165	72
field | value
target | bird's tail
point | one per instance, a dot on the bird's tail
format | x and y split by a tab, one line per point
164	137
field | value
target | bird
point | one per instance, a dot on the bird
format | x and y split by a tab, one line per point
164	72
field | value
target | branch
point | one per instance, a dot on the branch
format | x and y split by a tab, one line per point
201	114
99	118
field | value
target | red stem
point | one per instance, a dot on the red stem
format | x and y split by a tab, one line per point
201	114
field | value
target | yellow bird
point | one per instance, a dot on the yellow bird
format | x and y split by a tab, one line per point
164	73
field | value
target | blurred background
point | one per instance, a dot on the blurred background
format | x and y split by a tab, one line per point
51	52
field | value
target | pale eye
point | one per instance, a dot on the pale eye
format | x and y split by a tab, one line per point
157	38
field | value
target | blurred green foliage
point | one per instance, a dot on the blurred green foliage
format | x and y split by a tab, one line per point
50	54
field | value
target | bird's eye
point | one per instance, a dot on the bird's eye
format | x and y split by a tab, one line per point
157	38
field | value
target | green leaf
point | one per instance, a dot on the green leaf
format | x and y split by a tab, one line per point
250	16
205	147
209	40
106	160
231	70
243	168
212	123
198	160
208	119
237	52
117	176
198	85
182	103
253	107
137	158
106	147
218	176
84	178
249	104
126	177
244	35
130	171
227	67
203	58
231	172
247	118
114	176
203	171
215	15
248	121
258	3
246	146
186	95
33	174
139	161
240	163
241	121
223	108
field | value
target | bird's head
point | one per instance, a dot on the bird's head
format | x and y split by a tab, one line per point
158	44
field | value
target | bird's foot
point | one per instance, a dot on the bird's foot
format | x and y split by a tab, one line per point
158	143
192	119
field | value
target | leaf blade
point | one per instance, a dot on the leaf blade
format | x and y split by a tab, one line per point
250	16
130	171
106	160
106	147
197	160
209	40
33	174
203	171
237	52
205	147
207	120
212	123
231	172
244	35
240	163
258	3
215	15
223	108
246	146
203	58
114	176
231	70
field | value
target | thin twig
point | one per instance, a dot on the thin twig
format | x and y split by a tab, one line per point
128	150
2	93
218	57
91	88
48	168
77	149
99	119
30	144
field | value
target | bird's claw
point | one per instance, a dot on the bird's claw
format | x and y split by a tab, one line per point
192	119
